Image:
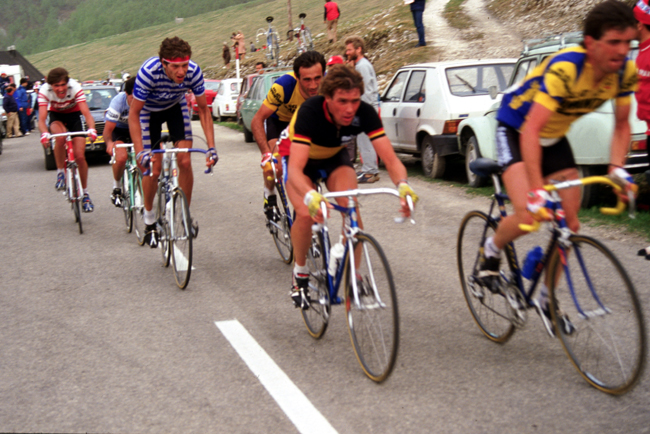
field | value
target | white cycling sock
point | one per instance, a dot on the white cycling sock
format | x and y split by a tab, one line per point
491	250
149	217
60	171
85	191
300	270
268	192
116	184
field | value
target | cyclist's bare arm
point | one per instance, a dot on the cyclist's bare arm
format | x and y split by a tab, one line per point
257	127
531	150
296	177
206	119
85	111
108	136
42	118
394	166
134	125
621	138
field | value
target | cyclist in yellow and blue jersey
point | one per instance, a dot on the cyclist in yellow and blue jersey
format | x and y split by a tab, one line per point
534	118
282	101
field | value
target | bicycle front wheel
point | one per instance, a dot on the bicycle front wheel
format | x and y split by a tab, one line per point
606	337
127	205
490	311
281	232
162	224
181	239
373	320
138	207
316	318
75	195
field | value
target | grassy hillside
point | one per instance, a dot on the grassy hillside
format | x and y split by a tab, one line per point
386	28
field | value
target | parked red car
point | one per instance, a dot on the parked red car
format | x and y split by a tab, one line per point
210	92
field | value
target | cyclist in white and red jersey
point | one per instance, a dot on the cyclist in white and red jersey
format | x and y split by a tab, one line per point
65	102
159	97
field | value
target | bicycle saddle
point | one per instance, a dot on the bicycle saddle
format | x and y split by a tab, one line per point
269	19
302	15
485	167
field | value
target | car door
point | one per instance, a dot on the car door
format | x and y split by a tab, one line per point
389	105
409	111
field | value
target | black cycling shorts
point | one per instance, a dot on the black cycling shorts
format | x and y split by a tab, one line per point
121	135
554	158
321	169
71	121
274	127
178	125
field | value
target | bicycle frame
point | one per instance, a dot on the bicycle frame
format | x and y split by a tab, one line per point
70	162
131	167
279	183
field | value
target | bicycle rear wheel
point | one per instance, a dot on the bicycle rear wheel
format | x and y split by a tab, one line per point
373	322
163	224
316	318
608	345
181	239
281	232
138	207
490	311
75	195
127	205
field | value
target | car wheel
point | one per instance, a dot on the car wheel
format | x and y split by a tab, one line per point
472	153
248	136
590	193
433	164
50	163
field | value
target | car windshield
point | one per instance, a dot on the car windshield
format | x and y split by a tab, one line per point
99	99
477	79
211	85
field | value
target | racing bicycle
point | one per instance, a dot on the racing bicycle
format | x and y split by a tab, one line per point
280	223
587	286
361	268
74	192
305	41
133	198
272	42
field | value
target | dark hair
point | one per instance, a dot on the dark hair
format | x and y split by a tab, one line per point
174	47
307	60
608	15
341	77
356	42
57	75
128	85
24	80
261	63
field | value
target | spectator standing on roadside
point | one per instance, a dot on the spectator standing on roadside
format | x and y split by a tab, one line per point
4	82
417	9
241	44
226	54
22	99
354	50
11	109
642	14
259	67
331	18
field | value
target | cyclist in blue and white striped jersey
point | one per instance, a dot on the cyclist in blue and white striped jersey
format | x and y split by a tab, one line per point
159	97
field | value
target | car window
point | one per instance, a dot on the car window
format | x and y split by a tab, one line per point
477	79
211	85
394	93
99	99
233	87
221	89
415	88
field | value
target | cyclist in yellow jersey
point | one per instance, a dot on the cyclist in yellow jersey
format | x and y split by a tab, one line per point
282	100
534	117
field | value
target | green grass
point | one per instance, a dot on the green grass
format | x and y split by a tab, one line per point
232	125
456	16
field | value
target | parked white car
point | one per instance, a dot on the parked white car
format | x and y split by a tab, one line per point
424	103
589	136
225	102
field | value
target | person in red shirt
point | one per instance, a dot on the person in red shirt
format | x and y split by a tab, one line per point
331	18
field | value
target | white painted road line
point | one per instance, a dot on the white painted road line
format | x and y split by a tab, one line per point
291	400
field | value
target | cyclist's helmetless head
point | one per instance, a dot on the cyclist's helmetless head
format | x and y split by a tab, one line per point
58	78
342	88
175	56
309	68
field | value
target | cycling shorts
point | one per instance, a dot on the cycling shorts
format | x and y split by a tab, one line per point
274	127
178	125
321	169
121	135
71	121
554	158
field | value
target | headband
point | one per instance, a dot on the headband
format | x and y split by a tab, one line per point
177	59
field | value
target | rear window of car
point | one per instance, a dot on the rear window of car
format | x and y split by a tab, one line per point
477	79
211	85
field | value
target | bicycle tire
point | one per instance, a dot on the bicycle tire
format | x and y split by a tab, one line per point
316	318
306	36
608	346
163	224
490	311
181	239
75	196
374	323
281	233
138	207
127	205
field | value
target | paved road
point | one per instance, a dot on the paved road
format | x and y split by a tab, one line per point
96	337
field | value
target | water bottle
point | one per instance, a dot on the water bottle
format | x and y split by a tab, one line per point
533	257
336	254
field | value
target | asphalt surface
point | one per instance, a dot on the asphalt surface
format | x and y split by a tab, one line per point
96	337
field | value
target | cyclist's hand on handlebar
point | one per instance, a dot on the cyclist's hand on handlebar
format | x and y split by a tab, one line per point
539	203
621	177
144	160
266	159
92	134
211	158
313	200
45	139
405	190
